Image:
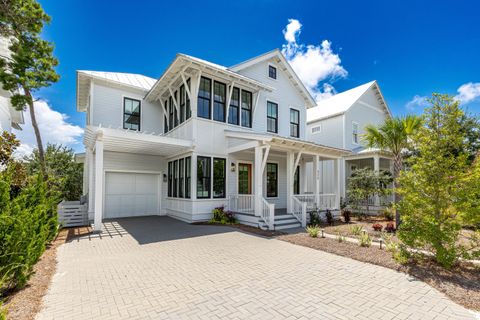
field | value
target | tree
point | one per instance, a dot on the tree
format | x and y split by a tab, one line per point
394	136
365	183
471	129
32	64
432	189
8	145
65	175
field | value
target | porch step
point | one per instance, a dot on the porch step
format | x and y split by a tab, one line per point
283	221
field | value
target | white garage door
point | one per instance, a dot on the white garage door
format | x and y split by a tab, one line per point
131	194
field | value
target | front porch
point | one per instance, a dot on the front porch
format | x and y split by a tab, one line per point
275	181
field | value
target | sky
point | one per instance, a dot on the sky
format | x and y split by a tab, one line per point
412	48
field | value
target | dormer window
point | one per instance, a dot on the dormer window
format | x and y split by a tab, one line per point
272	72
131	114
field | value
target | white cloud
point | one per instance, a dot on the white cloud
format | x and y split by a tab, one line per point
312	63
468	92
54	128
417	101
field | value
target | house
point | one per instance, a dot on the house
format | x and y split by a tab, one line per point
340	122
9	117
202	136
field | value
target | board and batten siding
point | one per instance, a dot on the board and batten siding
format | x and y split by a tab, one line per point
107	108
284	94
331	131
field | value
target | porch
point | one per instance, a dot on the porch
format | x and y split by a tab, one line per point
275	181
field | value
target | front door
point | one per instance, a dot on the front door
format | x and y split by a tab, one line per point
245	178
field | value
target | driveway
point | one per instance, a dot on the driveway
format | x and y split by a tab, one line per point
160	268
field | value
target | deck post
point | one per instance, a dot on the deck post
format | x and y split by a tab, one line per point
258	175
90	165
316	180
338	176
98	182
290	164
376	168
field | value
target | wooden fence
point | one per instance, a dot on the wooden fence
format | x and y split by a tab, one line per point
72	214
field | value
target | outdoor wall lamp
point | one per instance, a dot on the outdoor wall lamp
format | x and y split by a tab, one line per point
164	177
232	166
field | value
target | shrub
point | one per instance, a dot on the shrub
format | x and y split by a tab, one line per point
389	213
340	238
313	231
222	216
314	218
400	254
329	216
390	227
356	230
377	227
346	215
364	240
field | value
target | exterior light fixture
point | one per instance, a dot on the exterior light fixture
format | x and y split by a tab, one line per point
232	166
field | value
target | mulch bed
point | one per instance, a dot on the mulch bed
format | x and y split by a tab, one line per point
25	303
461	284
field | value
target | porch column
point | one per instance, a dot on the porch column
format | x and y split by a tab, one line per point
316	180
303	176
376	168
98	183
290	164
338	177
193	182
90	182
258	178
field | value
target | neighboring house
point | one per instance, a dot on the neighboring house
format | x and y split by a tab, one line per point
340	121
9	117
203	136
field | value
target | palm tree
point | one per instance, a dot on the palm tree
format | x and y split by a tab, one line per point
393	135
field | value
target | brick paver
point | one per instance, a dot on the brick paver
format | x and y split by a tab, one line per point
160	268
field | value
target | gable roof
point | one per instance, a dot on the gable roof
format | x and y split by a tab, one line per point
132	80
341	102
287	68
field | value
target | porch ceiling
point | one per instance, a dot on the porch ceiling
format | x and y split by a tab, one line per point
120	140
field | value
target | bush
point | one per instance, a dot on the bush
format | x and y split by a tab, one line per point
313	231
314	218
389	213
356	230
346	215
377	227
222	216
390	227
329	217
27	223
364	240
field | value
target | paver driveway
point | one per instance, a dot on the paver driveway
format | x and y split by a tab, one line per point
160	268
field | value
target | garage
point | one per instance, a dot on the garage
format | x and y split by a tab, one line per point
131	194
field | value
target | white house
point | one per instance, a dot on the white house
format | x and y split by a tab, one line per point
340	122
201	136
9	117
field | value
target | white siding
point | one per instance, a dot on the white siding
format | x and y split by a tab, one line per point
5	118
331	133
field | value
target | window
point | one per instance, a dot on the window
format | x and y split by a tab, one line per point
246	109
355	132
272	72
219	101
233	111
131	114
188	164
219	167
204	97
203	177
189	109
181	172
175	108
165	124
170	113
296	181
294	123
175	178
272	179
244	178
182	103
170	179
272	117
316	129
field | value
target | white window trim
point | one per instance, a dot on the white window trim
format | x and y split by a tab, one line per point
268	71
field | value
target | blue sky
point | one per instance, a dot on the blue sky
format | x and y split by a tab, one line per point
412	48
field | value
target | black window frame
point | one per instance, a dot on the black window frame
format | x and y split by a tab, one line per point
208	99
175	100
132	114
170	114
188	176
296	181
206	178
294	125
219	179
165	124
269	179
272	72
219	105
188	109
169	179
271	117
234	109
245	111
175	179
182	103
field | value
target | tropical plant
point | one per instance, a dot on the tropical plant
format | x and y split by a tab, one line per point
389	213
313	231
31	65
365	183
389	227
433	204
314	218
329	217
346	215
222	216
377	227
364	240
393	135
356	230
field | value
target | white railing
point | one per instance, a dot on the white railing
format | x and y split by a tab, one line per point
299	211
72	214
267	213
327	201
308	198
243	203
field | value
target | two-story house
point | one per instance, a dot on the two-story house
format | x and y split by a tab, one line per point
340	122
202	136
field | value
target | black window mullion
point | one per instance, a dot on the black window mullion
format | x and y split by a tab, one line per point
188	164
272	117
